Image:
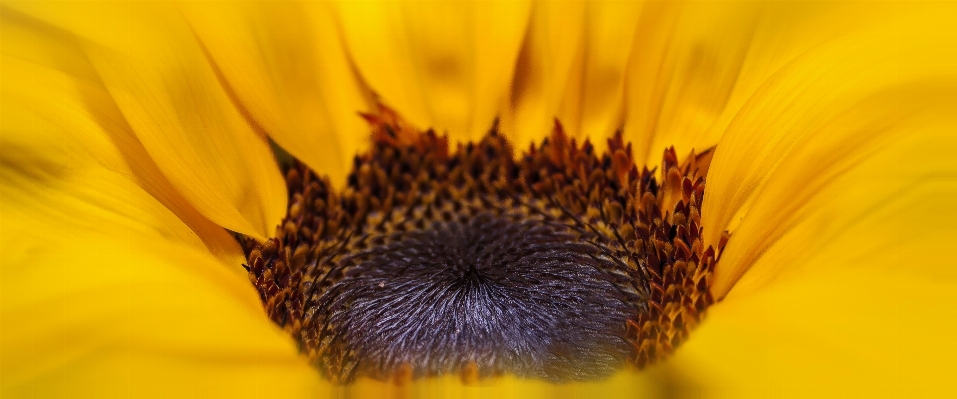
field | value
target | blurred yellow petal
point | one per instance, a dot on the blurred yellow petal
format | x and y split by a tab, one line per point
850	284
98	277
572	67
654	383
444	65
695	64
95	285
118	316
287	65
833	332
40	207
594	105
150	61
834	176
552	48
686	60
862	194
821	118
858	293
58	121
123	144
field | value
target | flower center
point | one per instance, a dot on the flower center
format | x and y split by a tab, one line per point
507	292
560	264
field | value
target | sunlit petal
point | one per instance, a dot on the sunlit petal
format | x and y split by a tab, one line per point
445	65
883	192
834	177
105	270
695	63
819	120
153	67
117	316
572	67
624	384
59	121
286	63
543	74
686	61
885	333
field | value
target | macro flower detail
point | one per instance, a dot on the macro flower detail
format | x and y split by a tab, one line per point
556	263
742	198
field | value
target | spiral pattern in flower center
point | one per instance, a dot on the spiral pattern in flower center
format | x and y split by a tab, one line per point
558	264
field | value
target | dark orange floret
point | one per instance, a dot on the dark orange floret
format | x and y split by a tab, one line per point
560	263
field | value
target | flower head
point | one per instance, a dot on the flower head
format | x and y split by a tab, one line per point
138	142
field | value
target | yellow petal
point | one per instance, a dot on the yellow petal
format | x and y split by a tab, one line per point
597	102
572	67
551	50
841	110
150	61
446	65
884	192
695	64
58	121
857	294
834	332
116	316
835	179
686	60
106	291
288	68
626	384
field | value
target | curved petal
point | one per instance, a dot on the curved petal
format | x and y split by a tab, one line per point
552	49
626	384
837	333
837	274
106	291
572	67
287	66
695	64
111	316
444	65
864	191
820	119
59	121
685	63
153	67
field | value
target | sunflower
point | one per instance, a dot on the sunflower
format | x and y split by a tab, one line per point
141	193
